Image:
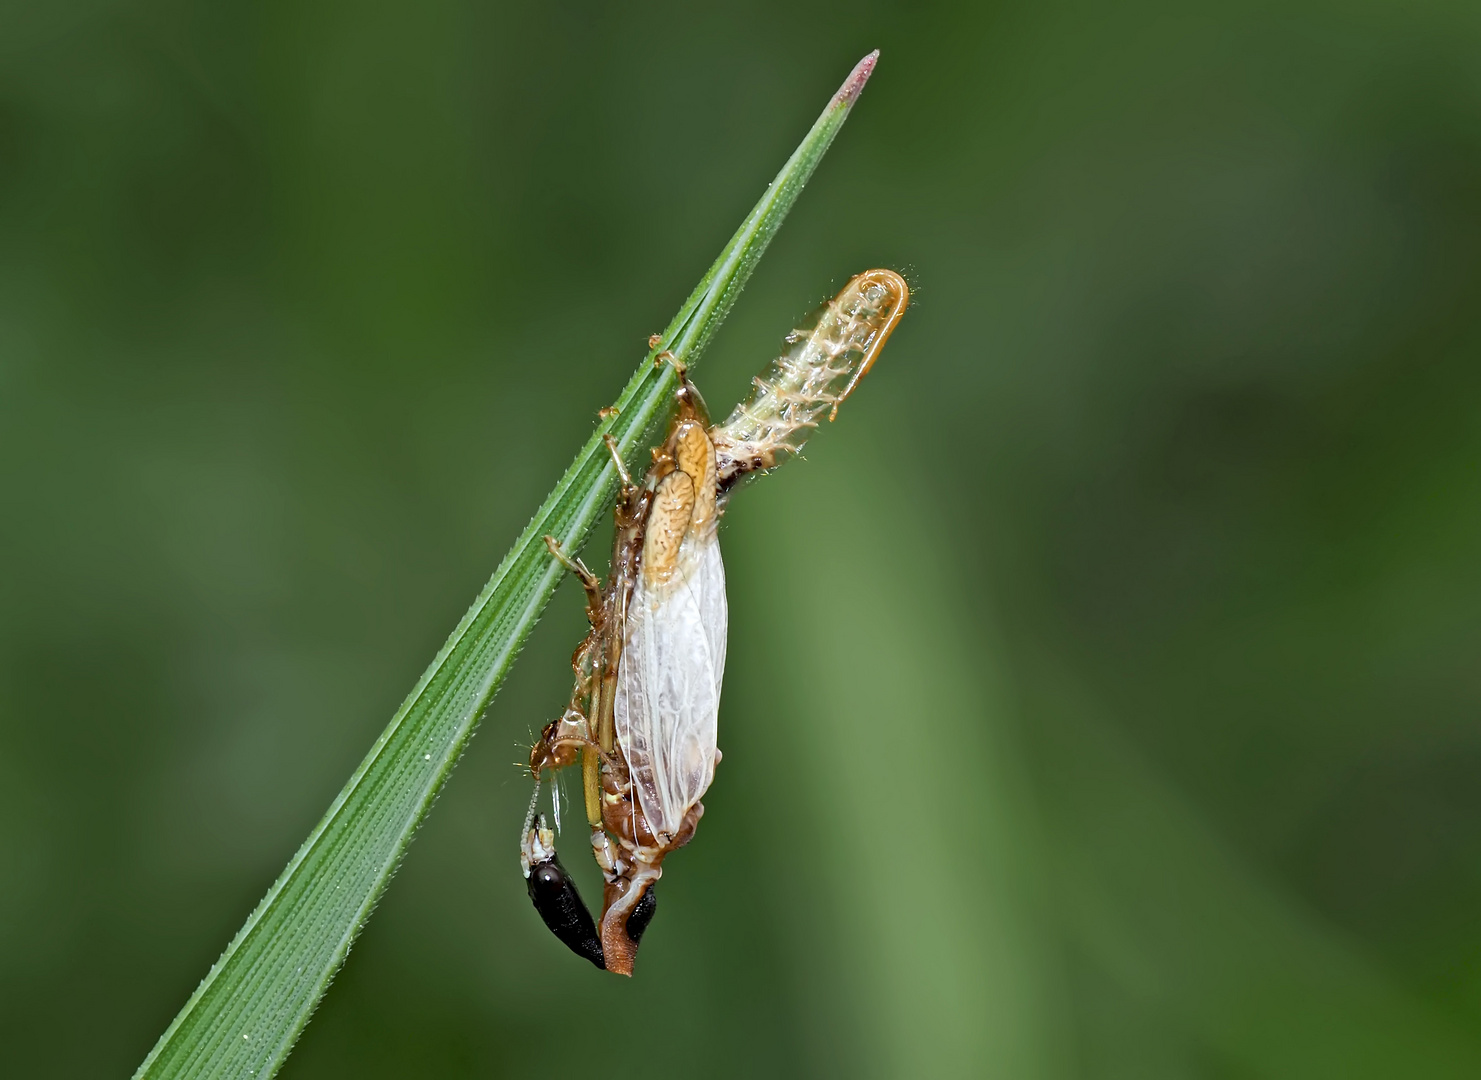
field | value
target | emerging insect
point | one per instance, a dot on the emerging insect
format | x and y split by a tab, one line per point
642	715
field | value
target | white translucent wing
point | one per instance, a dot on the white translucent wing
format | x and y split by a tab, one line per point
709	586
668	684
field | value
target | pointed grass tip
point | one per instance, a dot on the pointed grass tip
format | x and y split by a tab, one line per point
848	93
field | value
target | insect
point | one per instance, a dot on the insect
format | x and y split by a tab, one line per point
642	718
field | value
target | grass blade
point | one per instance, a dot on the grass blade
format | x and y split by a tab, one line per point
246	1014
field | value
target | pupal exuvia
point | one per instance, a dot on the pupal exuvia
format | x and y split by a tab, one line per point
642	716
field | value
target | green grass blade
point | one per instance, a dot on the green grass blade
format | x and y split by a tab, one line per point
246	1014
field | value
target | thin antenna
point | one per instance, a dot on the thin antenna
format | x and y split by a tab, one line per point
530	813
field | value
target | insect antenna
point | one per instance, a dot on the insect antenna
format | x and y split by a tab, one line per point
530	813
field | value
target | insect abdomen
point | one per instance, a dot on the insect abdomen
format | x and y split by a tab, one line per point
818	371
560	905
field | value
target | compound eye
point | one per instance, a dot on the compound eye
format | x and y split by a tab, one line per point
555	897
641	916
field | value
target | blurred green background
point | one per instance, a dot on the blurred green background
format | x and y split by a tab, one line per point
1103	690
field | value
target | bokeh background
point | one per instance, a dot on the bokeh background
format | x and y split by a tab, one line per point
1103	689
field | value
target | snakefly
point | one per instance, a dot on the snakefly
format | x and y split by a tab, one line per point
641	722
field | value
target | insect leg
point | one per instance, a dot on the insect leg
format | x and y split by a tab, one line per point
589	581
667	357
611	443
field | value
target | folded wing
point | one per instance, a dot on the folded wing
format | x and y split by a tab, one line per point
668	683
